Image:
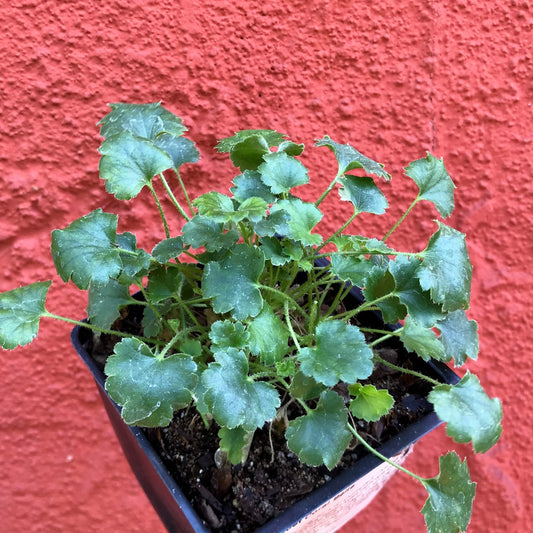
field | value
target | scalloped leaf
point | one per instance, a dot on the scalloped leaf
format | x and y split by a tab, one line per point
106	301
470	415
164	283
128	163
20	313
168	249
459	337
227	334
446	270
340	354
421	340
180	149
249	185
268	336
236	443
451	494
321	436
135	261
363	193
233	397
86	252
434	183
349	158
304	216
203	231
352	268
271	137
148	388
282	172
240	271
144	120
369	403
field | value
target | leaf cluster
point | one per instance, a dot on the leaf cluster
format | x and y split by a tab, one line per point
243	317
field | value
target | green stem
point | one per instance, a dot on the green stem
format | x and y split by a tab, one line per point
92	327
405	370
160	207
285	297
381	456
182	185
339	231
402	218
289	325
173	198
170	344
326	192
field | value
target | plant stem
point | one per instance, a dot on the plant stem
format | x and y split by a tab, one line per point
285	297
289	325
405	370
88	325
326	192
160	207
182	185
339	231
381	456
402	218
173	198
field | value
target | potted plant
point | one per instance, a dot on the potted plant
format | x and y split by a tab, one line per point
248	317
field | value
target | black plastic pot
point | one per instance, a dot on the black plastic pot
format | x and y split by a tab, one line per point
175	510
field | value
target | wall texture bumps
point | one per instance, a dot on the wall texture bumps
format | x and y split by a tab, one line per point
392	78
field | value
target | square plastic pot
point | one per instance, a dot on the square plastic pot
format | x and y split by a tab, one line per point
322	511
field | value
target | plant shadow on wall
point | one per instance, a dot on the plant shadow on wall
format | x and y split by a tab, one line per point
254	332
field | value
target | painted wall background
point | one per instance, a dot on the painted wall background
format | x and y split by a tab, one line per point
392	78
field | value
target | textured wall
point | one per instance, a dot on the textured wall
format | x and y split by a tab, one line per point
393	78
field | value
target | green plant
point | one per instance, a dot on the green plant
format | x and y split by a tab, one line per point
239	332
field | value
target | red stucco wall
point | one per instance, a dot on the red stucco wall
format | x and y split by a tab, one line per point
393	78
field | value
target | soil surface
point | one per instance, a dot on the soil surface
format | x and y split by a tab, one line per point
242	498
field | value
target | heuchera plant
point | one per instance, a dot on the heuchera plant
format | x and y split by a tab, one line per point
239	333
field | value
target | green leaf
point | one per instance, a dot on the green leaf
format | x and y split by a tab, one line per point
151	323
304	217
249	185
459	337
144	120
180	149
233	397
363	245
129	163
236	443
352	268
363	194
470	415
449	506
227	334
282	172
321	436
164	283
434	183
291	148
240	271
272	224
421	340
135	261
148	388
349	158
446	270
407	288
340	354
214	205
168	249
20	313
271	137
248	154
85	251
305	387
378	284
369	403
254	209
203	231
105	302
268	336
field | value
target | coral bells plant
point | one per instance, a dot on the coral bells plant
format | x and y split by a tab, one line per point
256	322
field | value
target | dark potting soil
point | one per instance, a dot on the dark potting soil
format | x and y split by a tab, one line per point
241	498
